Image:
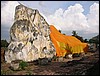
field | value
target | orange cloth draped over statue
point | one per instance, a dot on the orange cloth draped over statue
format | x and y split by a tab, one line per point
66	44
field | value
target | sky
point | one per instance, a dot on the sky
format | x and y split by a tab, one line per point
80	16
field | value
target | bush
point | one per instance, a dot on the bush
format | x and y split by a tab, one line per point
4	43
23	64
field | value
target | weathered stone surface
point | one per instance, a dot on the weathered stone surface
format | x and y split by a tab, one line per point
29	35
15	64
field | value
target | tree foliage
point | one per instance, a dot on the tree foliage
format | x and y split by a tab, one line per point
60	31
94	39
75	34
85	40
4	43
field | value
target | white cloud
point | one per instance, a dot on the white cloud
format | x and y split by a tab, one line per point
74	19
93	18
70	19
7	12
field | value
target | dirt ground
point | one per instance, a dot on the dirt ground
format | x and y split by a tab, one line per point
75	66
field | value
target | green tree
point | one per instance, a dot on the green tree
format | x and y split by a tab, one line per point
85	40
94	41
80	38
60	31
74	33
4	43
